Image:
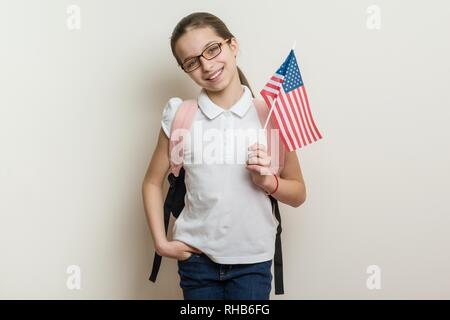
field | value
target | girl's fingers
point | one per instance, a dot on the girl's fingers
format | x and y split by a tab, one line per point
262	170
257	146
254	168
188	247
258	153
259	161
192	249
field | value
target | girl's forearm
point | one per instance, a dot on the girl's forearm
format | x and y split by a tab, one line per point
291	192
153	205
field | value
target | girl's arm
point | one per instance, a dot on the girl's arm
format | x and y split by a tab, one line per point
152	188
291	186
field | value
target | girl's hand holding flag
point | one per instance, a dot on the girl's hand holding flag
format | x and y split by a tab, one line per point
258	164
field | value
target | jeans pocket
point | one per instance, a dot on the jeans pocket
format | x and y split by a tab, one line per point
189	258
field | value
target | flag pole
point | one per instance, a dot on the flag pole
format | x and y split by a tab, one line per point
270	112
273	102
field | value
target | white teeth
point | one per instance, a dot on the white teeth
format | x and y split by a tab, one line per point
215	74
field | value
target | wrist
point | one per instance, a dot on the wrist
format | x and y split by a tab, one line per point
272	184
160	247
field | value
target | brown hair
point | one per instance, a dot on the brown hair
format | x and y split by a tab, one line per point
200	20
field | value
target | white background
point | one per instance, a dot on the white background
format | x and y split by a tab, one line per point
80	112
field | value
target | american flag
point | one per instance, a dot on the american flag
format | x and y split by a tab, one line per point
292	114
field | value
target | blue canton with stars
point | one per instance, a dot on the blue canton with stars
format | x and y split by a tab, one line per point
292	77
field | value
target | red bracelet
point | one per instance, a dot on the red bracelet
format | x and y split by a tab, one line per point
276	187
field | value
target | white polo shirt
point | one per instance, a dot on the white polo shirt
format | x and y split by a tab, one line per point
226	215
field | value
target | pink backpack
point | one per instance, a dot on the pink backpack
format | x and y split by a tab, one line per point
174	202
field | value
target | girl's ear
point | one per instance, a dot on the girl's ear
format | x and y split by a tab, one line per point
234	46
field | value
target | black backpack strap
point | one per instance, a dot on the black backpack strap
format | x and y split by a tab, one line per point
278	259
171	204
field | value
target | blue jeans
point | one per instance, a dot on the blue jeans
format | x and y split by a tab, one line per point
203	279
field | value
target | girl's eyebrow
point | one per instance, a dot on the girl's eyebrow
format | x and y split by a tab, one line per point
209	43
203	48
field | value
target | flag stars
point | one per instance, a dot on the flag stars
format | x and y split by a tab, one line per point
290	72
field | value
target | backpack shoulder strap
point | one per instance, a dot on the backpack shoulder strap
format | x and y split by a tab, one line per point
273	136
182	122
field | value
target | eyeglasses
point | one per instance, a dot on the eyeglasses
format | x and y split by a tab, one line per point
210	52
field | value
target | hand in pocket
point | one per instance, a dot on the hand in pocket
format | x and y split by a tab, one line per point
179	250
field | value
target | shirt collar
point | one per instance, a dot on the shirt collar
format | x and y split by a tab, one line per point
212	110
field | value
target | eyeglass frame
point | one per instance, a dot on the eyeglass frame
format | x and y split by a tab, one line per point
201	55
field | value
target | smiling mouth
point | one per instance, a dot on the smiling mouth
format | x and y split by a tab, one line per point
216	74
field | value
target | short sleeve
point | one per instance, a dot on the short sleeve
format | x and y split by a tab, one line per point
169	113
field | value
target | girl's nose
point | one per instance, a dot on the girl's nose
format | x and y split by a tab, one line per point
207	65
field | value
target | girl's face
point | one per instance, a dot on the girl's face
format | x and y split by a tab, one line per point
192	44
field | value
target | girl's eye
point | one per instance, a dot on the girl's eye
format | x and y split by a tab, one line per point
191	64
213	50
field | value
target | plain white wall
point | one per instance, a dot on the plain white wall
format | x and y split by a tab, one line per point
80	112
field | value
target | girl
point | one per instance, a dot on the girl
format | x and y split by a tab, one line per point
224	238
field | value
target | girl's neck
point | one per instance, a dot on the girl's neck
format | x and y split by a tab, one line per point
227	97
